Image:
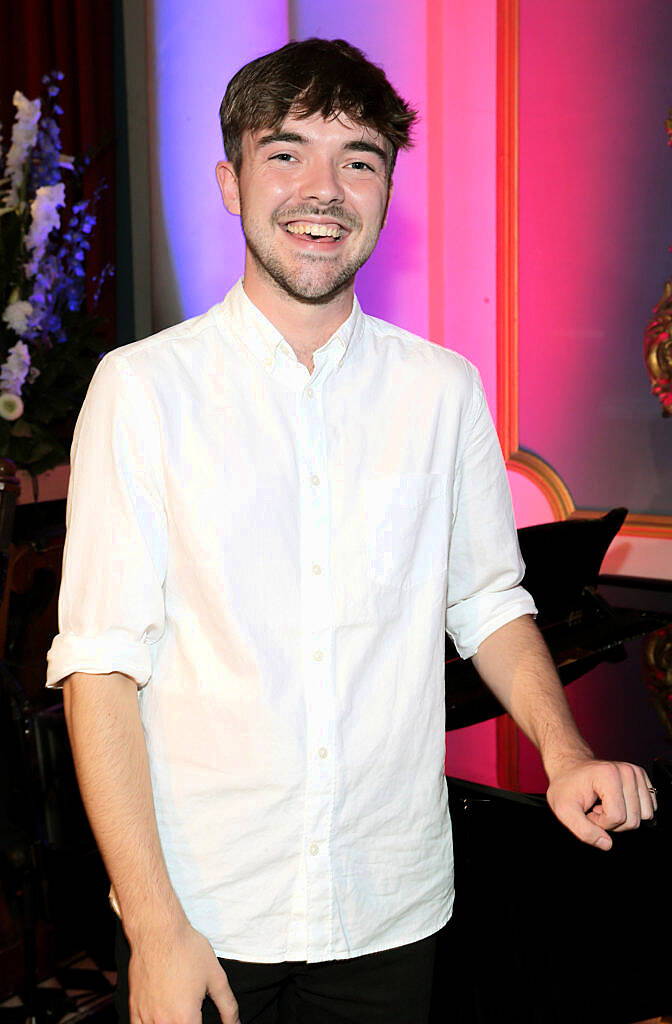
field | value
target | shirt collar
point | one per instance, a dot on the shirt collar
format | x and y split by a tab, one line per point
266	342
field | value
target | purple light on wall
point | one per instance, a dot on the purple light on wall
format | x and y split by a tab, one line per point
393	284
197	248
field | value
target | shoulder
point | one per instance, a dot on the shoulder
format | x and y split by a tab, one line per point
170	346
141	381
413	354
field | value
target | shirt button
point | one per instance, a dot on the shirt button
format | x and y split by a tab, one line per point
318	655
317	570
268	362
309	392
323	752
314	479
314	849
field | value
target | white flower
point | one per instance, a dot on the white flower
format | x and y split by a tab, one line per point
11	406
14	370
24	134
45	217
27	112
16	315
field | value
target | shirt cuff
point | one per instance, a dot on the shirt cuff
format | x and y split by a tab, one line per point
112	651
492	614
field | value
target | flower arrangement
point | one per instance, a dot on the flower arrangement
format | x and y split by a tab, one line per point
658	335
49	343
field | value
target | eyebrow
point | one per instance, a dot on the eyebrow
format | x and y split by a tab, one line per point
367	147
357	147
268	140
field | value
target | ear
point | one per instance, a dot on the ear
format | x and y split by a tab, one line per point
228	186
390	190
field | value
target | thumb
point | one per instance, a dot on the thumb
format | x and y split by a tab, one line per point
220	992
583	826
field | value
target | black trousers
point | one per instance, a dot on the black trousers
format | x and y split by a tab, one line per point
392	987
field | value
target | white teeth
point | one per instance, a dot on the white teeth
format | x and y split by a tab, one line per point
316	230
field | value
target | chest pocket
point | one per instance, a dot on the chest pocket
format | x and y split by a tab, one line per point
406	528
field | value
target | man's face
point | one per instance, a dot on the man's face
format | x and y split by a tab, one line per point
312	198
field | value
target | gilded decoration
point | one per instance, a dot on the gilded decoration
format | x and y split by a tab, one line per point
658	336
658	350
657	659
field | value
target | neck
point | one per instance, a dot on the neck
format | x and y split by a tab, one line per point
305	326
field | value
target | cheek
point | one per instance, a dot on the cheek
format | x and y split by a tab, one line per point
371	204
374	220
264	193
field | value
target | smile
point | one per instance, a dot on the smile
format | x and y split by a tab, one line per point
299	227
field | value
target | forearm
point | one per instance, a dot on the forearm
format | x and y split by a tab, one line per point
111	762
172	966
516	665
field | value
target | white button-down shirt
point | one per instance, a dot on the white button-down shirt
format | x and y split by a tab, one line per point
273	556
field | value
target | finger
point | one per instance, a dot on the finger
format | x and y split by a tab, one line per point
631	800
647	794
611	812
584	827
220	992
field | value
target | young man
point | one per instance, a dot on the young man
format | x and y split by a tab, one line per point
275	511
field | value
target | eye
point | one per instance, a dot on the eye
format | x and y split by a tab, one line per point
360	165
283	157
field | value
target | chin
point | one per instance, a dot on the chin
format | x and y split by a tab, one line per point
313	293
311	281
308	287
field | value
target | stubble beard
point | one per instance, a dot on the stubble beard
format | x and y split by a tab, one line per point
304	282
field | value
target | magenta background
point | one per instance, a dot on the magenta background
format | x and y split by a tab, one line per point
595	228
595	193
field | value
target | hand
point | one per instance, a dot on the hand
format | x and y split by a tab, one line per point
169	975
590	797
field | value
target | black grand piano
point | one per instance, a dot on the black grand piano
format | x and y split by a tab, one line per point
545	930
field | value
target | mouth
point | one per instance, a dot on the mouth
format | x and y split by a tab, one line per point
320	232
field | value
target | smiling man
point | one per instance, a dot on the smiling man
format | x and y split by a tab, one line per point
297	501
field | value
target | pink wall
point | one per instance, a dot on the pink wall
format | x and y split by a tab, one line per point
595	227
467	161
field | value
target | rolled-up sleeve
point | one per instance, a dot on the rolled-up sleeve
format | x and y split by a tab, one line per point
485	566
111	603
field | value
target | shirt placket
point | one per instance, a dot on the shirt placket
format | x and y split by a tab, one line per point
317	663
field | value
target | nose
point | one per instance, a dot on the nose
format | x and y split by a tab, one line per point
321	183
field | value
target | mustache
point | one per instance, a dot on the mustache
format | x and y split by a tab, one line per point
337	212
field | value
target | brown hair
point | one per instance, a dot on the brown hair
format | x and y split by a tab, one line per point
314	76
